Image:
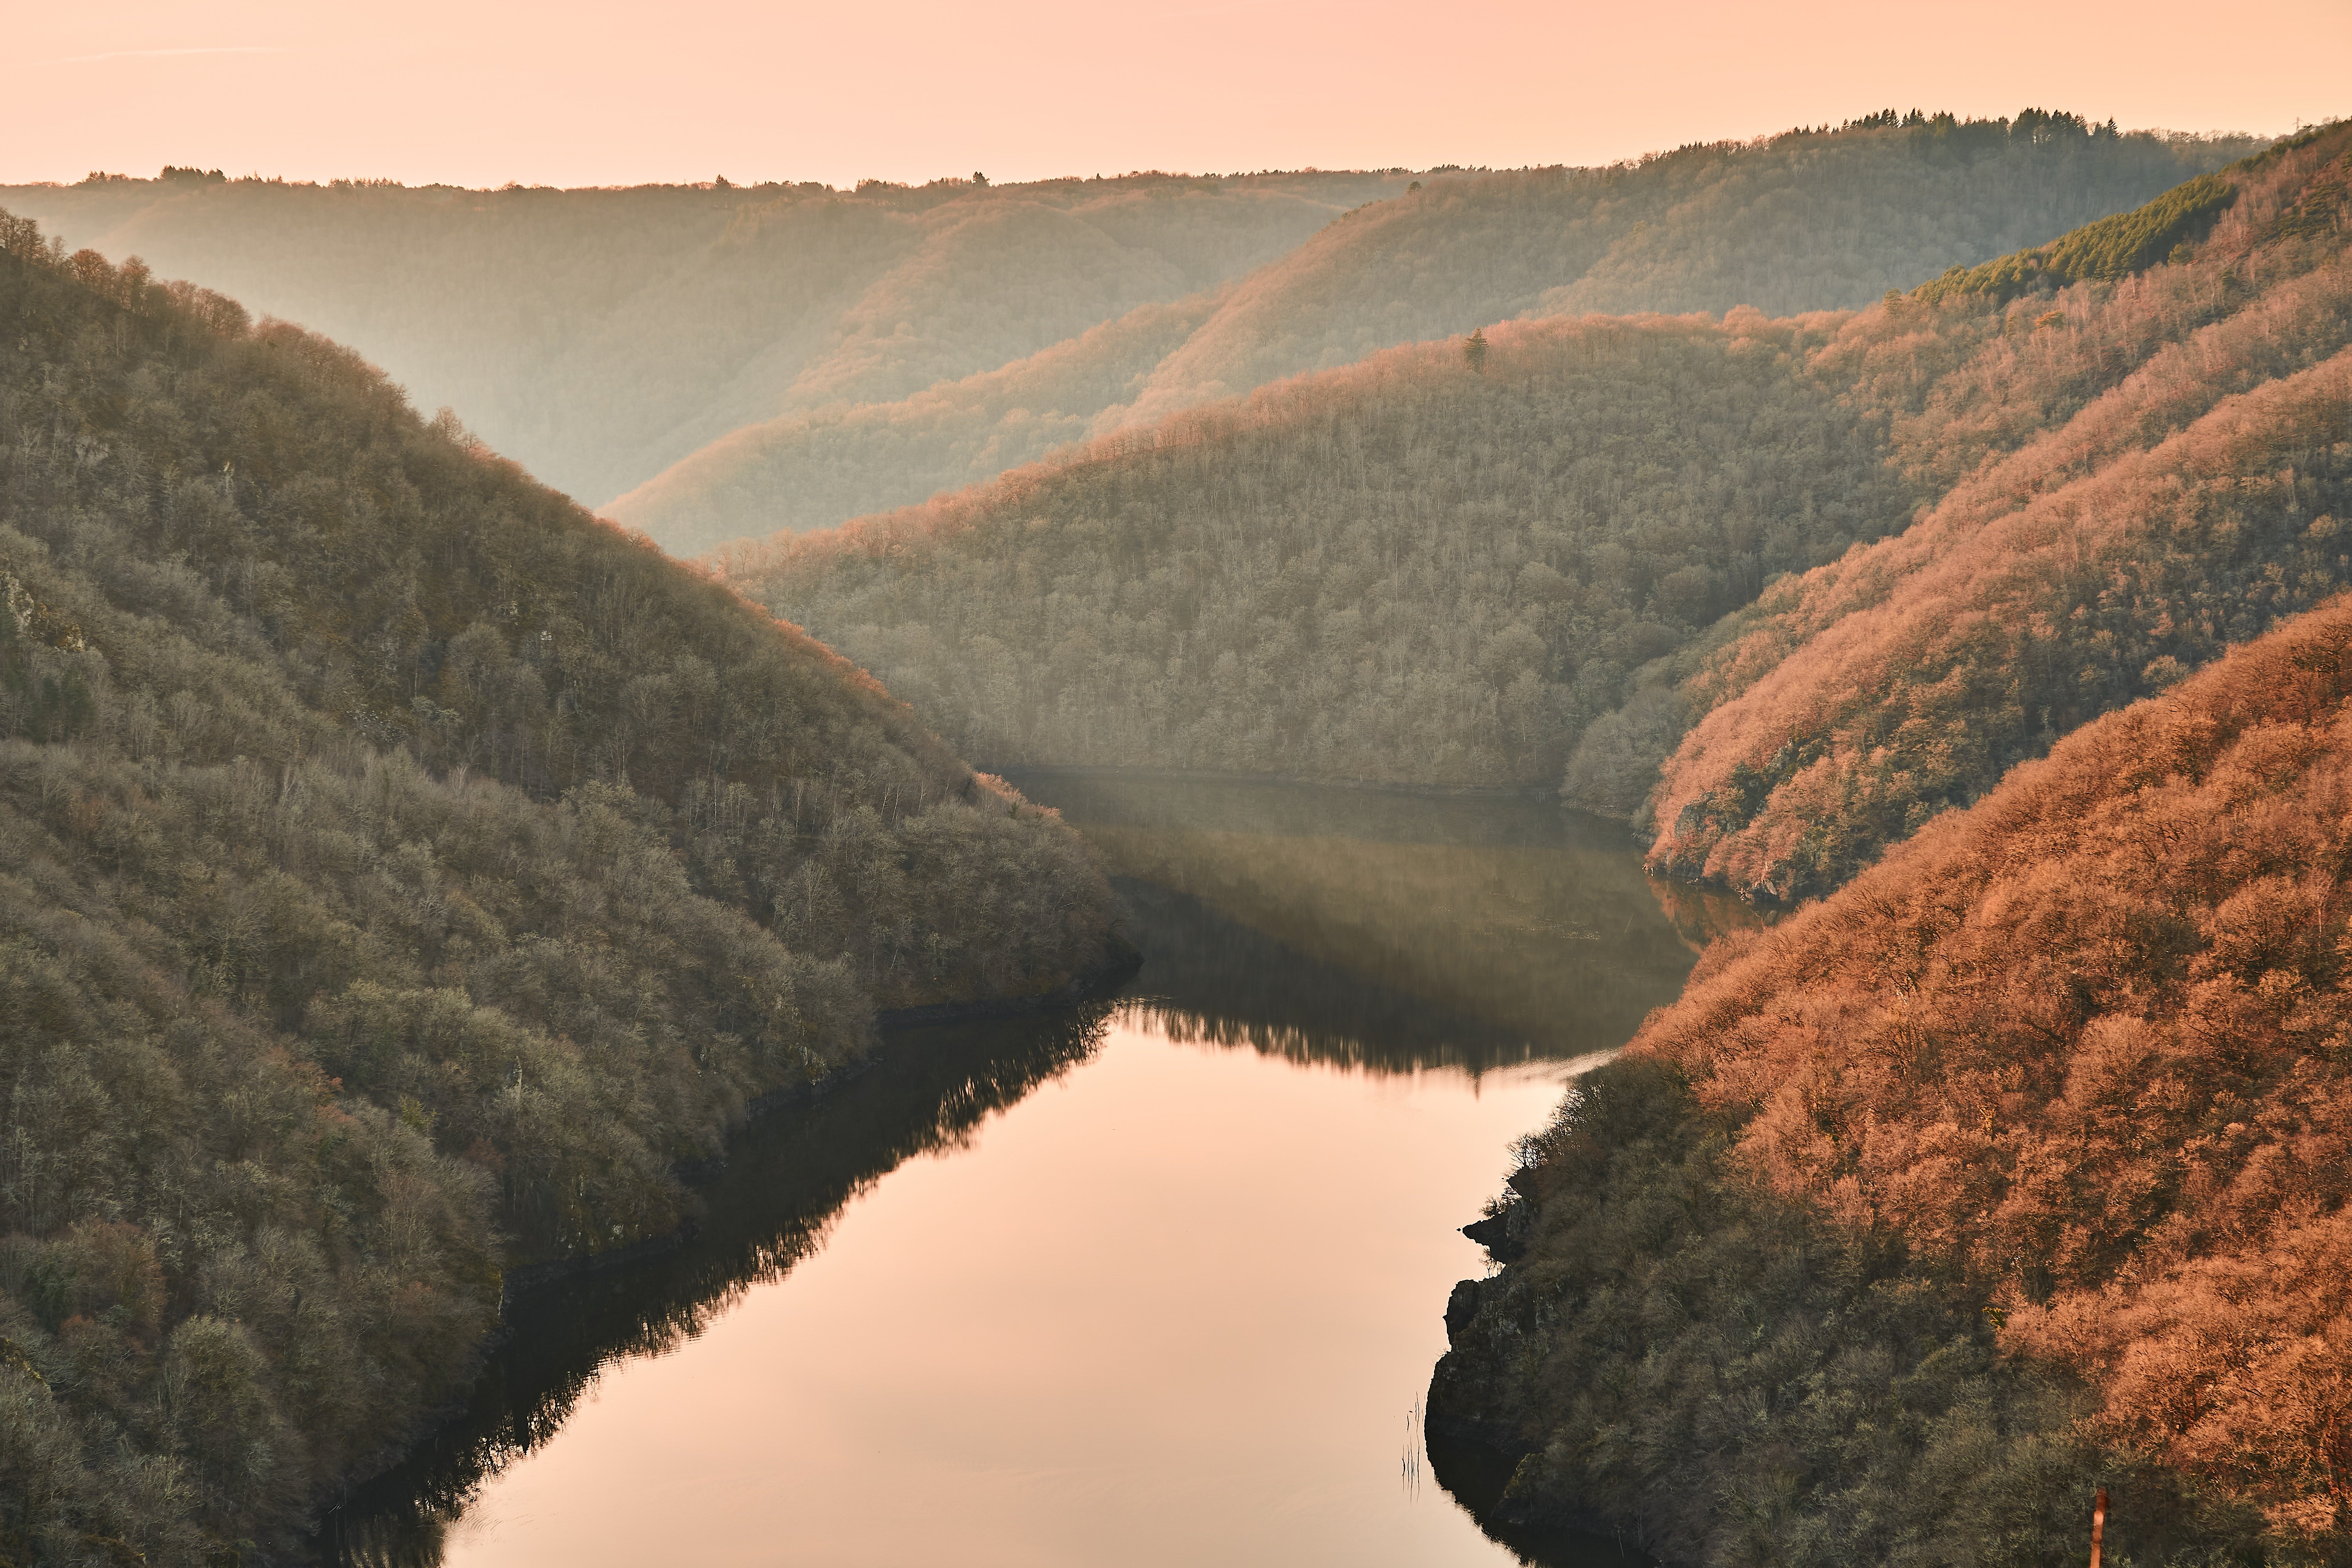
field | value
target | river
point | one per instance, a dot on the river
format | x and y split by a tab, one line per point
1158	1280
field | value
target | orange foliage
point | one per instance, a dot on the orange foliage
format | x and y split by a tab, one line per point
2088	1044
2156	473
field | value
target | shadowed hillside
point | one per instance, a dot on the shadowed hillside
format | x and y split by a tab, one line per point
1804	221
400	872
2016	1167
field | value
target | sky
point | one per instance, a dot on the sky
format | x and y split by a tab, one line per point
592	92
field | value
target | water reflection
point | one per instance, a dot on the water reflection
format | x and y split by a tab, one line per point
1389	930
1175	1307
787	1178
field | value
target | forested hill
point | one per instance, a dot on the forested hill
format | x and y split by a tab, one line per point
400	872
2016	1168
1408	570
1804	221
2137	467
596	336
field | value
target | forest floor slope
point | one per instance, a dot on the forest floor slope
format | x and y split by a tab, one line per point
401	872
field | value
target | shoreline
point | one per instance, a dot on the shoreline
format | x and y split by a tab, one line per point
546	1274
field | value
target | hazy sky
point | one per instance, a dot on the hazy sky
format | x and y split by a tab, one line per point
590	93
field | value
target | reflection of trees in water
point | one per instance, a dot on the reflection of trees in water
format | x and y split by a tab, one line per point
1558	946
787	1181
1702	914
1211	980
1091	798
1381	931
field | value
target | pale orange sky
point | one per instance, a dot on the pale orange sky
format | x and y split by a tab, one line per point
600	93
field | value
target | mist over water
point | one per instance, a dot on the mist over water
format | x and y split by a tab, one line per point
1158	1280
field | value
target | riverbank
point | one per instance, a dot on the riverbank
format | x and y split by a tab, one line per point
1712	1373
905	1038
1031	1324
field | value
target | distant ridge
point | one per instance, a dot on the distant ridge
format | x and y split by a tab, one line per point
1804	221
596	336
1875	558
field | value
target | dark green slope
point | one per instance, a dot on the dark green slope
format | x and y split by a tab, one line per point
400	871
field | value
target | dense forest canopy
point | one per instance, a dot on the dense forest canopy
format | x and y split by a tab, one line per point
2017	1166
2133	474
1804	221
596	336
1403	572
401	872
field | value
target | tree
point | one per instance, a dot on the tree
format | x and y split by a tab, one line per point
1474	352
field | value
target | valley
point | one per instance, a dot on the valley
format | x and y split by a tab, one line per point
1322	866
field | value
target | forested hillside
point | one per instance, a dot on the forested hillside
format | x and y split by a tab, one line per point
1471	563
1804	221
400	872
2017	1167
2136	469
1408	570
596	336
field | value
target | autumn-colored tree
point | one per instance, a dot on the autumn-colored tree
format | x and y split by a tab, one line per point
2073	1064
2127	489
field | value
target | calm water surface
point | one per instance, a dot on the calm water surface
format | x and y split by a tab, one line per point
1159	1281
